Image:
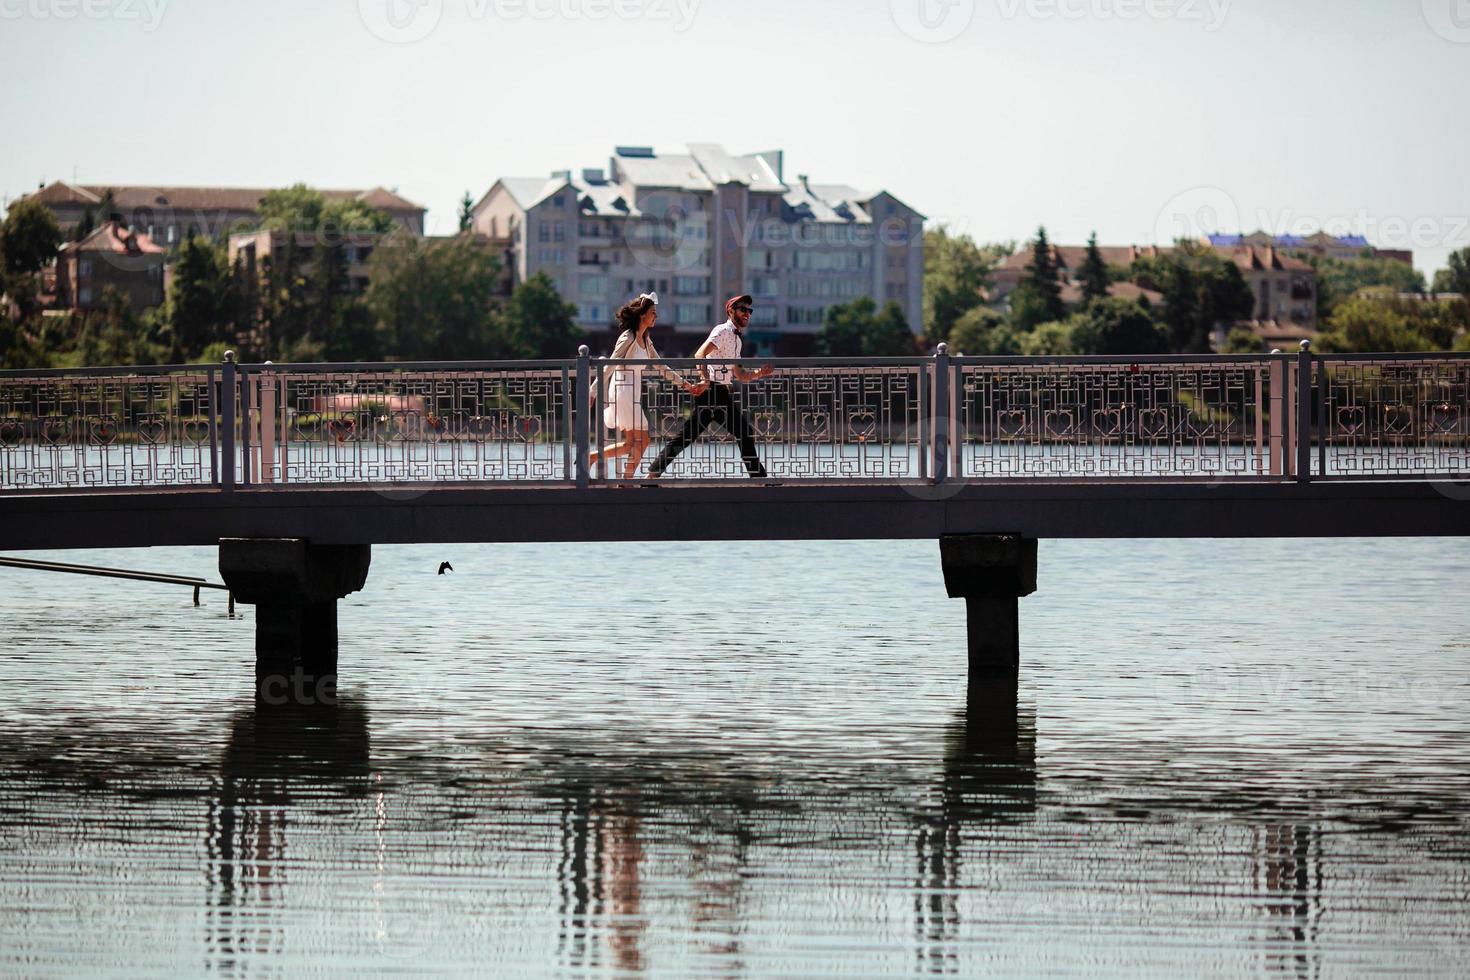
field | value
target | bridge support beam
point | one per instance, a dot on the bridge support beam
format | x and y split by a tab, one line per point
294	586
991	572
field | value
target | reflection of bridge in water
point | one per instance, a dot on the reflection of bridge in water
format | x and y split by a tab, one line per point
303	467
566	844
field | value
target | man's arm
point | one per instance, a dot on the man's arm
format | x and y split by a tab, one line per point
700	355
764	371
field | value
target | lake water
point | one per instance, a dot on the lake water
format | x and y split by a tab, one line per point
1226	758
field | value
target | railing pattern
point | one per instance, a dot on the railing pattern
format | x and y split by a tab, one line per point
820	420
1102	419
813	422
99	429
410	425
1393	416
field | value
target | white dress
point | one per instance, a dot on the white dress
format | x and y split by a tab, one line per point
624	410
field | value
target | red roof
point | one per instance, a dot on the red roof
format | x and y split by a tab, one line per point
113	237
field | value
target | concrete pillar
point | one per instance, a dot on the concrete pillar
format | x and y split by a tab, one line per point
294	586
991	572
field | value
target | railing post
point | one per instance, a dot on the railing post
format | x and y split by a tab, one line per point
1304	413
583	412
940	412
227	424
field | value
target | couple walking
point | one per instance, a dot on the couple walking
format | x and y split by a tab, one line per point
714	398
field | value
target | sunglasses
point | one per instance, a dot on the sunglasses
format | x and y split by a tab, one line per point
742	309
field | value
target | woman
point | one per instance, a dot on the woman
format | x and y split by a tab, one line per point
622	394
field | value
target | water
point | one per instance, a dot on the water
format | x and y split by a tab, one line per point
1226	758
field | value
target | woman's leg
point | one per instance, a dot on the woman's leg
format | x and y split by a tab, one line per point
609	452
638	442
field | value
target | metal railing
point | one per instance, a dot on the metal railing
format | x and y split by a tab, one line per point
925	420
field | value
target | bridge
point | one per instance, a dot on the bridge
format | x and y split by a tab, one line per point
296	470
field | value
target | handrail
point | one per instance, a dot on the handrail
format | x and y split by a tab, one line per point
56	566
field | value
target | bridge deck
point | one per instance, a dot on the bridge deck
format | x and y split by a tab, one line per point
674	512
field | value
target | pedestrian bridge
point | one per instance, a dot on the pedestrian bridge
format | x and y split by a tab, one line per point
335	457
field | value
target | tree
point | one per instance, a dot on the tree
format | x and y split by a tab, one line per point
1048	340
537	323
1202	289
956	273
1338	279
861	329
302	208
1116	326
1381	323
203	304
19	350
1042	282
1455	278
983	331
29	237
1241	341
435	301
466	213
1096	280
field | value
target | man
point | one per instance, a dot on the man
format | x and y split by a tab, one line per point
716	401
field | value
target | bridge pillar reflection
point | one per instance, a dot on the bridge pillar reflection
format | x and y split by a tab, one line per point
294	586
991	572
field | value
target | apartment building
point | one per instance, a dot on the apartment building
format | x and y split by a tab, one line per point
111	259
700	226
1348	248
168	215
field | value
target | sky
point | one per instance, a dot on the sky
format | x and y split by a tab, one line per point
1139	119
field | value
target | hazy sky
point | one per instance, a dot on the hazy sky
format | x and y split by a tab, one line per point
1138	118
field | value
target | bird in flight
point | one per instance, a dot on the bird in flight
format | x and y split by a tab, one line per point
444	566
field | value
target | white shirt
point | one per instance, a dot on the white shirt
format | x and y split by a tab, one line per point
724	341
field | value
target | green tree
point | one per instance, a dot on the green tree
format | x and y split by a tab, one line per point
1455	277
203	305
956	274
29	237
1096	280
1339	279
1116	326
466	213
1203	291
18	349
862	329
435	301
1240	340
1042	285
1380	322
1049	340
304	209
112	335
537	323
982	332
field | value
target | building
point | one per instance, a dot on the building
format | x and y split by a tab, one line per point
110	258
252	251
701	226
1284	286
1069	258
1347	248
168	215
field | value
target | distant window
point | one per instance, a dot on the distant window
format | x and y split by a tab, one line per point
543	233
173	233
559	232
84	295
84	267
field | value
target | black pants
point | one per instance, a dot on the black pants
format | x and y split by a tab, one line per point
717	404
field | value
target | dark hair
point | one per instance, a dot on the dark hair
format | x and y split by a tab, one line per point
631	315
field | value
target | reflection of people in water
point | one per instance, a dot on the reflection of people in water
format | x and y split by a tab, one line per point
263	766
1289	873
989	779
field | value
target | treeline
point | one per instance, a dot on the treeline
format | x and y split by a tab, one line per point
424	300
1202	292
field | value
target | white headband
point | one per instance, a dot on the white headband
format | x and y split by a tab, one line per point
652	296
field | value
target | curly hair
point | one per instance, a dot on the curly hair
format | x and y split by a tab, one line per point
630	316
